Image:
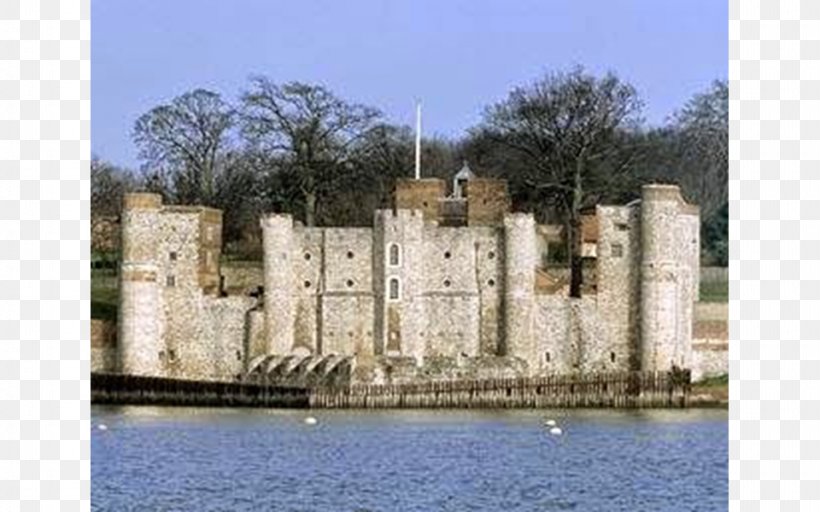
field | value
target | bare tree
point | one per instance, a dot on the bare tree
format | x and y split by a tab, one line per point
309	128
703	137
186	139
108	184
568	128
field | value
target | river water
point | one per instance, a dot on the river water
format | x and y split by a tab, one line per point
169	459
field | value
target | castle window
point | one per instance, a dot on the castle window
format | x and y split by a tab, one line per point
172	256
612	356
394	255
350	255
307	284
447	255
491	282
238	355
490	255
620	226
424	204
548	357
393	292
307	256
617	250
170	281
349	283
447	283
162	355
172	355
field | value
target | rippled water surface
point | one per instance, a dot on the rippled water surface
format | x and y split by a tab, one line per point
237	459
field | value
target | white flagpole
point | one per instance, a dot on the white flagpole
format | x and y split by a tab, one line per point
418	140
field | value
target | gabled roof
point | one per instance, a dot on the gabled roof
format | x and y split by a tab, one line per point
465	173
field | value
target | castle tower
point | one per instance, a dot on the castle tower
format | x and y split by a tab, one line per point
667	280
140	321
277	242
398	264
519	295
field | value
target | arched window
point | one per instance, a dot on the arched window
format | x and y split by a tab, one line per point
394	256
393	292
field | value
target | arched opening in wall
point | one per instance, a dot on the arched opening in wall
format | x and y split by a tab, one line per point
394	288
394	255
548	357
612	356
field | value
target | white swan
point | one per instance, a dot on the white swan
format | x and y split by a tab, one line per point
102	426
556	431
550	423
310	420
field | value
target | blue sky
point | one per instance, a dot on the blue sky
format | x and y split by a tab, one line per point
456	55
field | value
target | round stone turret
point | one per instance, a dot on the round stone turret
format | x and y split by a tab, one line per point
280	306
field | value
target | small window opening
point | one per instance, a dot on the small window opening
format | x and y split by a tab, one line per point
491	282
548	357
161	355
447	283
349	283
447	255
172	355
620	226
172	256
394	255
491	255
307	256
393	292
238	355
424	204
612	356
617	250
170	281
307	284
350	255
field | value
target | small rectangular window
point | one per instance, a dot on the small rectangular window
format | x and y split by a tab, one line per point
172	256
620	226
170	281
617	250
393	291
172	355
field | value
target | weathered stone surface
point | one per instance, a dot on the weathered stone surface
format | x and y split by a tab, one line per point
409	299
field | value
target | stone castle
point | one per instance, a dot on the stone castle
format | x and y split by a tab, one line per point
448	284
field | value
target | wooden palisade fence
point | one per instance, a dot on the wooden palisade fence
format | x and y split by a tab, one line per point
616	390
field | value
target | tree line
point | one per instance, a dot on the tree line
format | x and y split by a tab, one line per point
564	142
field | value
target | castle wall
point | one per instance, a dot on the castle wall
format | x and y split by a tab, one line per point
103	338
222	347
618	285
519	297
665	281
398	263
423	194
256	342
280	308
462	281
181	295
488	201
554	351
